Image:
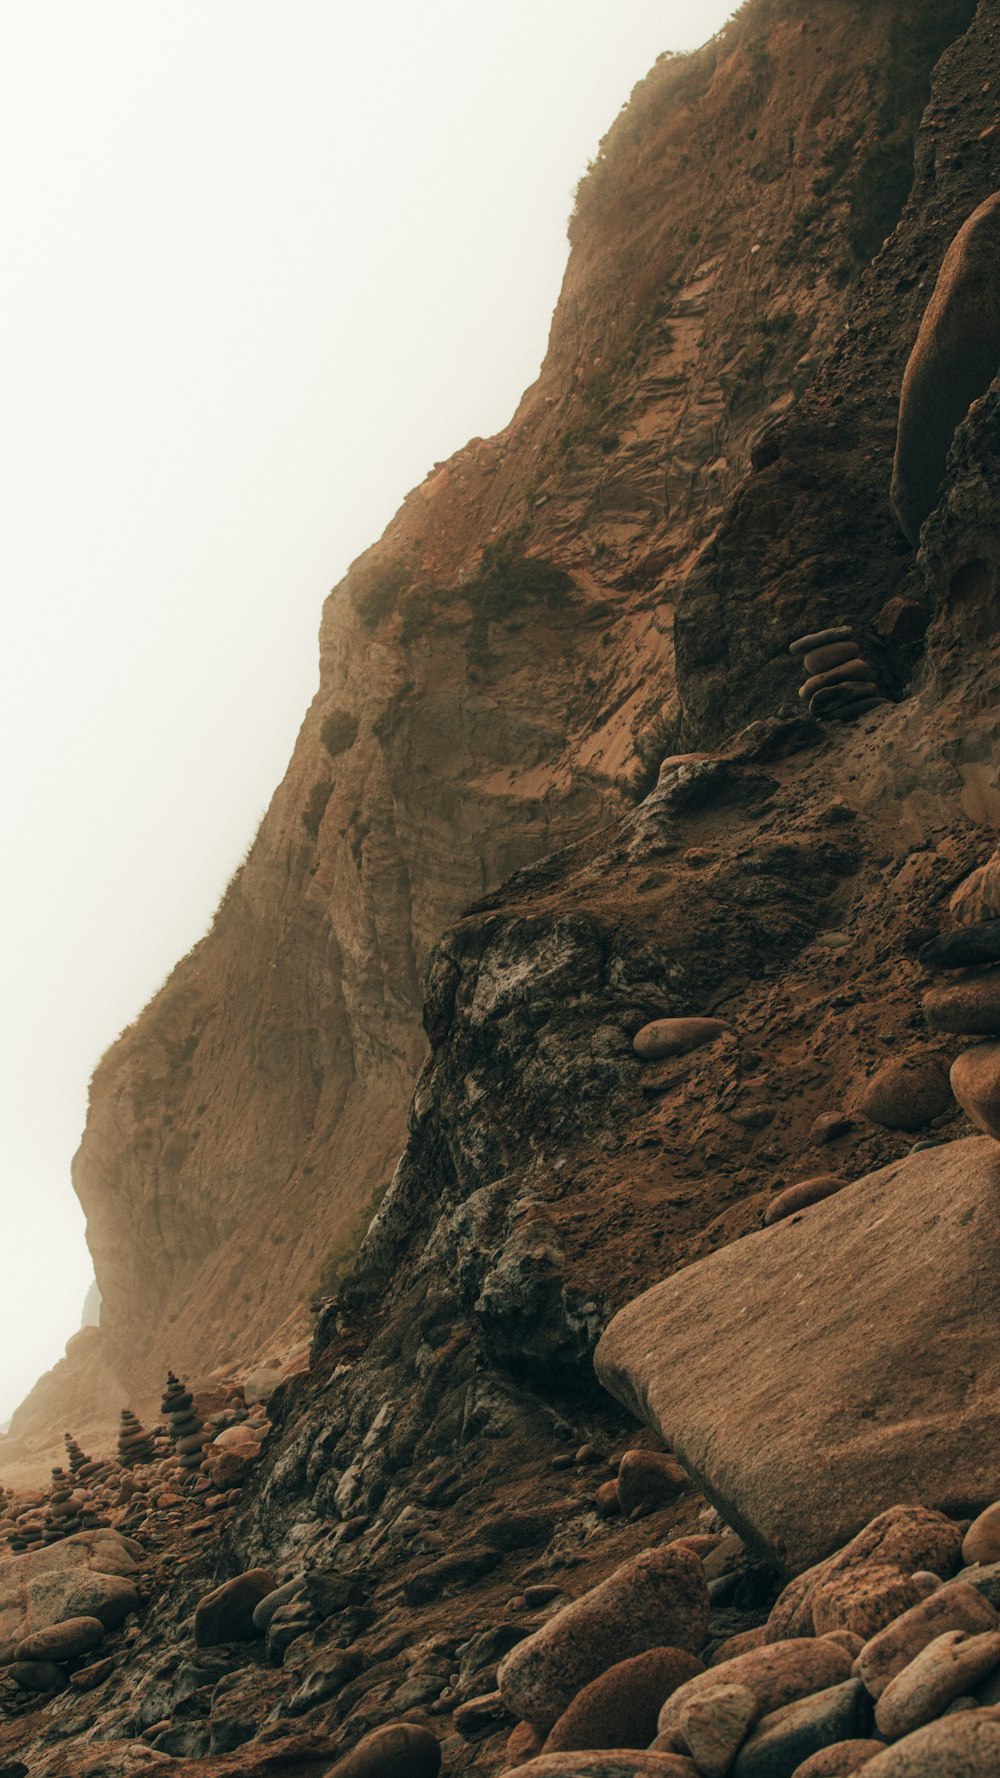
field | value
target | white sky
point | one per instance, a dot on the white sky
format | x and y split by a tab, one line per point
262	265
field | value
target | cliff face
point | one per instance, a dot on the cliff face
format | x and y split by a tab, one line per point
498	674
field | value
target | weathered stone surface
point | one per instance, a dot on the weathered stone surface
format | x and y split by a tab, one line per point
63	1641
966	1746
947	1668
968	1006
714	1725
907	1094
863	1600
954	360
975	1082
397	1750
978	943
610	1764
674	1037
800	1196
954	1607
850	1366
88	1575
901	1540
838	1761
649	1480
776	1674
621	1707
227	1613
658	1599
782	1740
977	899
981	1542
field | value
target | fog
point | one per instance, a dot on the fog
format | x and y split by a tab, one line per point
263	266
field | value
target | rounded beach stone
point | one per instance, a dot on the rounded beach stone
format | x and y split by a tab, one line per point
674	1037
830	700
658	1599
905	1538
970	1006
714	1725
226	1614
978	899
523	1743
606	1502
907	1094
615	1763
848	1640
823	639
864	1599
946	1669
63	1641
852	670
840	1760
397	1750
800	1196
783	1739
955	1607
975	1082
834	654
979	943
621	1707
37	1676
739	1644
966	1746
981	1542
776	1673
649	1479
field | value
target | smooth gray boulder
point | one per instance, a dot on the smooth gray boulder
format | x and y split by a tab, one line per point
836	1364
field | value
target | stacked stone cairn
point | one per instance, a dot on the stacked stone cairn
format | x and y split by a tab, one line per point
87	1472
62	1515
183	1423
840	685
134	1443
29	1529
968	1002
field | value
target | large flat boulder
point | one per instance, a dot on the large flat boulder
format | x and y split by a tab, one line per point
89	1575
837	1363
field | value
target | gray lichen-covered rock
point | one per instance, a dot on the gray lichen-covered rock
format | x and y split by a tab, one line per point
847	1362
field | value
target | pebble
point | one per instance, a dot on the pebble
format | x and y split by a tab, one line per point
975	1082
87	1679
782	1740
777	1673
714	1725
226	1614
675	1037
266	1607
800	1196
907	1094
970	1007
657	1599
620	1707
649	1480
966	1746
830	1126
840	1760
37	1676
947	1668
853	670
955	1607
523	1743
740	1644
846	1639
981	1542
606	1502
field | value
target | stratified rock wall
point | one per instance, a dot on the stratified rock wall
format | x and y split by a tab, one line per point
498	672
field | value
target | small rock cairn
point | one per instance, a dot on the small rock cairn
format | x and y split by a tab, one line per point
134	1444
62	1515
87	1472
968	1004
840	685
183	1423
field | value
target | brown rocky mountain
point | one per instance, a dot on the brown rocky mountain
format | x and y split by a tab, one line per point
558	785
